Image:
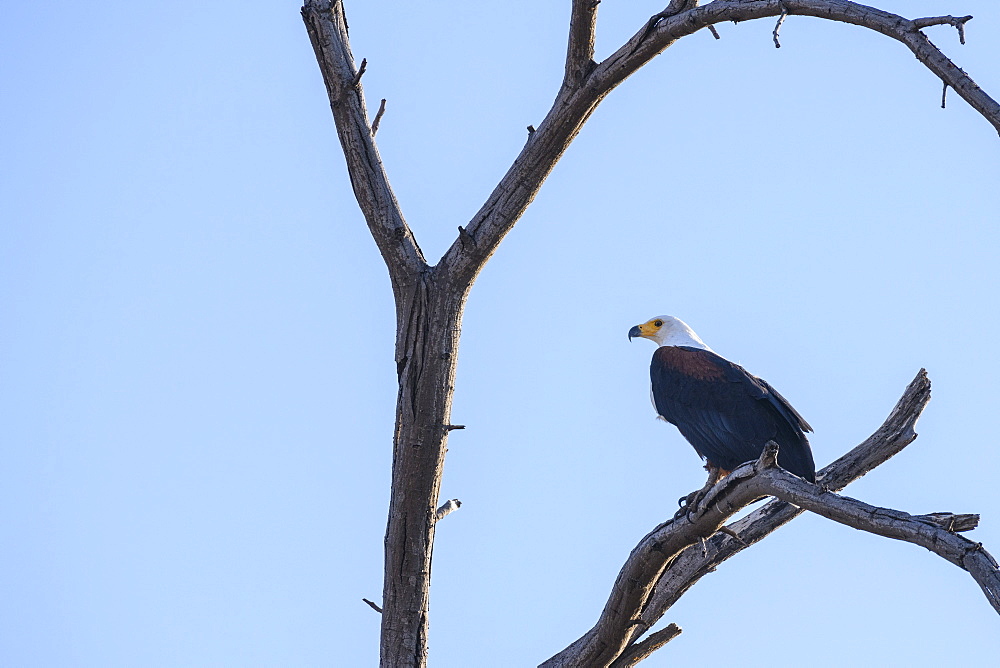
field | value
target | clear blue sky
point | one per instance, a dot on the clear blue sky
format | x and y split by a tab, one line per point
196	374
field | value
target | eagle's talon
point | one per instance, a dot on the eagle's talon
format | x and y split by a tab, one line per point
689	504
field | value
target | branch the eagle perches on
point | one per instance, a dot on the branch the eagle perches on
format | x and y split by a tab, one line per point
430	301
677	553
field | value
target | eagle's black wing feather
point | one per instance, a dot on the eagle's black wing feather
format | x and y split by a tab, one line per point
726	413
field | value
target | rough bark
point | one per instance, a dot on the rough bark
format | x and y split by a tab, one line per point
621	625
430	300
633	607
888	440
428	312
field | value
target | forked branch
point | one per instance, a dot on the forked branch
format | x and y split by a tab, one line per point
895	434
574	103
957	21
697	561
666	562
930	532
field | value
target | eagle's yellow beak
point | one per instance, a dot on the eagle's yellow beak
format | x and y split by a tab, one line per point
643	331
647	330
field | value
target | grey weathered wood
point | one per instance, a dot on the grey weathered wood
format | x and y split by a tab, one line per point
696	561
430	299
960	551
633	607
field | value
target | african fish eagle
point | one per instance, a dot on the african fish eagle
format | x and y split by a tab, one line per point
725	412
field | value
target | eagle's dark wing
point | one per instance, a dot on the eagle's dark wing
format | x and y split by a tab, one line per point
726	413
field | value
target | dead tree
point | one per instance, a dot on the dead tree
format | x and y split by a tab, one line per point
430	300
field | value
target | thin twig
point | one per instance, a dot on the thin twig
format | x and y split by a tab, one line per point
361	72
777	27
715	33
447	508
957	21
615	631
378	116
944	93
646	646
373	605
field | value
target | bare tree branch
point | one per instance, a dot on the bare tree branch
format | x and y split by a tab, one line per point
573	106
888	440
621	621
634	599
959	550
934	531
644	46
750	481
327	28
647	646
378	117
897	432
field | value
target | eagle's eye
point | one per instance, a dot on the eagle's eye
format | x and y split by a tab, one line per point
658	323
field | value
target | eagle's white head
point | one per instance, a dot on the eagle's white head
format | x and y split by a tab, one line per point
666	330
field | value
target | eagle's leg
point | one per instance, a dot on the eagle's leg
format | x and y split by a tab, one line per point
688	504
